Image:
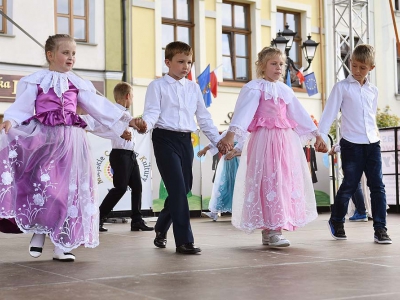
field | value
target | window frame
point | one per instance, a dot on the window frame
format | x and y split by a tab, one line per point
3	7
181	23
232	31
298	40
71	18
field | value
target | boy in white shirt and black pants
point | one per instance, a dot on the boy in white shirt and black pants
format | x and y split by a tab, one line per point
125	168
171	103
357	99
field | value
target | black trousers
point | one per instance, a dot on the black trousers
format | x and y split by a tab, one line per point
174	157
126	173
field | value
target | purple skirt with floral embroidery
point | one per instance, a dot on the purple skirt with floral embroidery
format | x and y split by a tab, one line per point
47	184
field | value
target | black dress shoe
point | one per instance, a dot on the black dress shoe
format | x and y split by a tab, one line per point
161	240
141	225
188	248
102	228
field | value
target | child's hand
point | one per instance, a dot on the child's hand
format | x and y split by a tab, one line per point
139	124
332	151
226	143
320	145
6	125
127	135
231	154
202	152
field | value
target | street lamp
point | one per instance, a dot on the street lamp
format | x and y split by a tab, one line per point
284	42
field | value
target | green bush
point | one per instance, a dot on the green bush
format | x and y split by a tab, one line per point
385	119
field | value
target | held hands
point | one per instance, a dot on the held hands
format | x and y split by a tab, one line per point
226	143
139	124
6	125
320	145
127	135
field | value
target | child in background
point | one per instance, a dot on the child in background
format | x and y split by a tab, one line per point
222	192
273	188
48	181
124	165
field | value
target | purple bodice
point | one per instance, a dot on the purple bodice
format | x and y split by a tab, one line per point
271	115
52	111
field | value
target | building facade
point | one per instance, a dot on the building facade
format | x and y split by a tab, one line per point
93	23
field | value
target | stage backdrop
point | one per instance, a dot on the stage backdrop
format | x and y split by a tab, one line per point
101	149
154	192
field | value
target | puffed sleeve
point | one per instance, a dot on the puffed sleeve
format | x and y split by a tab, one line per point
104	111
24	106
97	128
246	106
305	125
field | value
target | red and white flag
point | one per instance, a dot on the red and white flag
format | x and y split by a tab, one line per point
213	83
192	74
300	75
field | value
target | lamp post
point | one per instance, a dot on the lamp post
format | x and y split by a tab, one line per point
284	42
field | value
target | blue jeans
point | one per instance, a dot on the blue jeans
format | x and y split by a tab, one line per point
358	200
356	159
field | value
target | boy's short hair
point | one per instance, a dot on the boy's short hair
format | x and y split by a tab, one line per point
121	90
365	54
177	47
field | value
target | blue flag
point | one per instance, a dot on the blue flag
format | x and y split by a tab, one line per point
311	84
288	80
204	83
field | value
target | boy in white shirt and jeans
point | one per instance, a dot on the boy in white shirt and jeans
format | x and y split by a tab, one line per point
357	99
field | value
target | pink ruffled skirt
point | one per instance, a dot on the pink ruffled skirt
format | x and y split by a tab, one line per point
47	184
273	188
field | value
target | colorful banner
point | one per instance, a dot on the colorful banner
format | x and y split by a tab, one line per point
101	149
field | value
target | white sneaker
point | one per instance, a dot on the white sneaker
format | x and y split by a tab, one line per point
274	239
211	215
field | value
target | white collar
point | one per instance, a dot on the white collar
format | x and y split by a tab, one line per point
47	79
272	90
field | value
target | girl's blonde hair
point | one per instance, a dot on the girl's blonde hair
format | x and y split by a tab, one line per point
265	55
53	42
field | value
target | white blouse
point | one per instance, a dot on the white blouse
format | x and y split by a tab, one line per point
98	107
248	101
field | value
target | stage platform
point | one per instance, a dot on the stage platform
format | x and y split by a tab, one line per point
233	265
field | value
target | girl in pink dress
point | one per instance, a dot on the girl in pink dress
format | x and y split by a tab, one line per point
273	188
48	183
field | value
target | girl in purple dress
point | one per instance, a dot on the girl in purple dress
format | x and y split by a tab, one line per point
273	189
47	183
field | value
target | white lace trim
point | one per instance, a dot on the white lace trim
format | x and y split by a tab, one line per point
238	131
58	81
272	90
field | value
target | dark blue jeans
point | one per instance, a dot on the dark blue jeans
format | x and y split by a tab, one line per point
356	159
358	200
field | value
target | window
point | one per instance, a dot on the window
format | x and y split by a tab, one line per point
396	4
3	21
235	41
72	18
177	24
293	20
